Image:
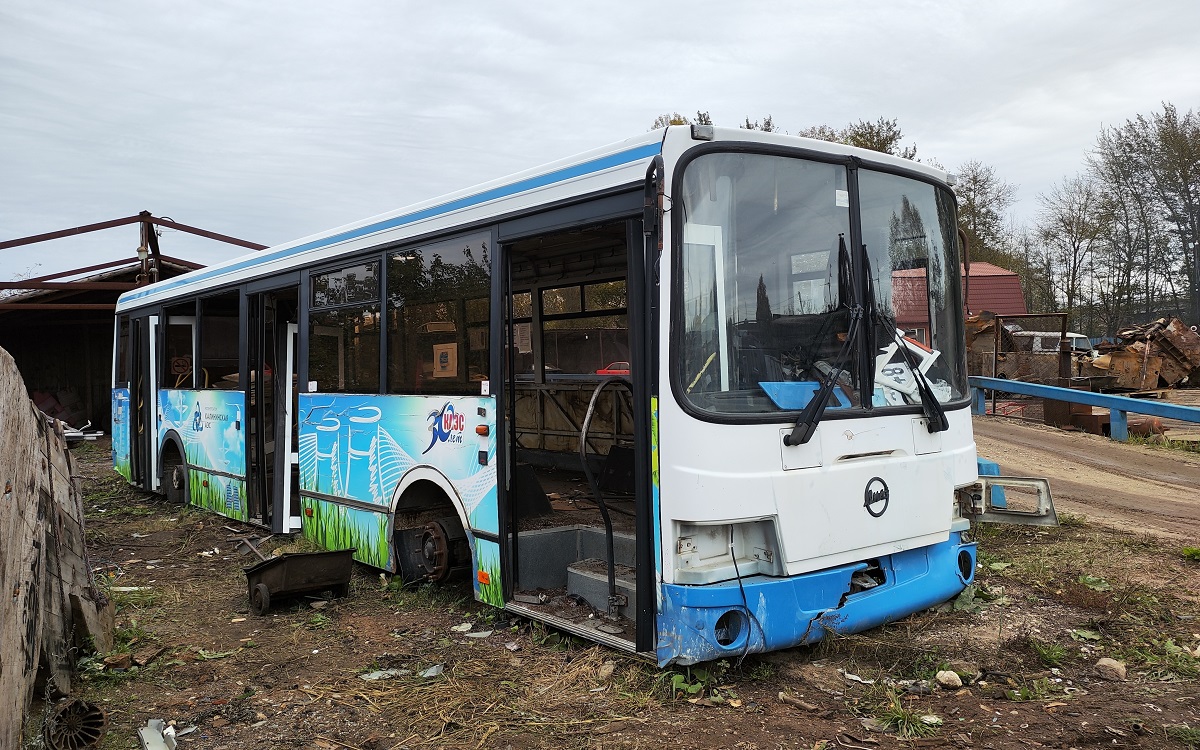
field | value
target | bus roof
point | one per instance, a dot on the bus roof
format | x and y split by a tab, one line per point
619	164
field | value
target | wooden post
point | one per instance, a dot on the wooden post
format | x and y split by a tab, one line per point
49	605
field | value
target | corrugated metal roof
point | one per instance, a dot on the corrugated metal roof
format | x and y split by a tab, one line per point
993	288
977	270
999	294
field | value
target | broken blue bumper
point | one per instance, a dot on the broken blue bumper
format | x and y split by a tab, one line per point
702	623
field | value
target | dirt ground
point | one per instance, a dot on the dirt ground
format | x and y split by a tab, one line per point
1112	581
1125	485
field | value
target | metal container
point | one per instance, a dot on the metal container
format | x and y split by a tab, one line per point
297	573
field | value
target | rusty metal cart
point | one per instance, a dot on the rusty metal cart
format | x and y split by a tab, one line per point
297	573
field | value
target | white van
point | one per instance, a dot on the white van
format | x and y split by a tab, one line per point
1047	341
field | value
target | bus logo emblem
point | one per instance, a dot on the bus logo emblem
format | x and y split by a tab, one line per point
877	495
446	426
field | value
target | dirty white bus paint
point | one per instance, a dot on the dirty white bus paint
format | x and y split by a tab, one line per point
433	387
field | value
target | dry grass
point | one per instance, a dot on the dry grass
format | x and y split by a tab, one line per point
476	698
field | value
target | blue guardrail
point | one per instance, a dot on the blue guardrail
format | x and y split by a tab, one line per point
1118	406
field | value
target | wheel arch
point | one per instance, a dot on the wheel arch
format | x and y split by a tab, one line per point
170	440
421	476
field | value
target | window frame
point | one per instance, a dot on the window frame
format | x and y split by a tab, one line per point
674	339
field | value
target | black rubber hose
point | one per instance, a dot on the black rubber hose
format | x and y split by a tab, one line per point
608	529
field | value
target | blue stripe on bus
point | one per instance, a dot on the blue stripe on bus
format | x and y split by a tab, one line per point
566	173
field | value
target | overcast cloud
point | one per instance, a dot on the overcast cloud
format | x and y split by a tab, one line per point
270	121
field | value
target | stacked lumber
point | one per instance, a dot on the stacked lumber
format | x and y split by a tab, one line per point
51	607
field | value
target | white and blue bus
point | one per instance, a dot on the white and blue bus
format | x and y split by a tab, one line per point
654	395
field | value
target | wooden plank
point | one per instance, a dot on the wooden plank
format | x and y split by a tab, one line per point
51	605
72	286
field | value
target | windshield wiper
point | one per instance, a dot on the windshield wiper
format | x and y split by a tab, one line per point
935	413
806	424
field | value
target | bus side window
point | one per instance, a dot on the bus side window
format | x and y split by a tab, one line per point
220	342
437	317
121	369
343	343
178	371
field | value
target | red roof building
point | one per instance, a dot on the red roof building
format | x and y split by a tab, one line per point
992	288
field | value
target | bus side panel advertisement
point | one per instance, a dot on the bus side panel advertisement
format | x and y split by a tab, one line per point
220	494
361	447
210	425
120	432
335	526
487	581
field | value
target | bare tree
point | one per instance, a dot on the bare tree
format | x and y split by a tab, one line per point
1132	261
663	120
1032	264
1069	226
1160	155
983	200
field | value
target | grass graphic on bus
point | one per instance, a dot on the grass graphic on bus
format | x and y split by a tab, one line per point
120	433
223	495
335	527
361	448
488	583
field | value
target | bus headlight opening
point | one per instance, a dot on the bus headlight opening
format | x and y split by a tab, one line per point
966	564
706	552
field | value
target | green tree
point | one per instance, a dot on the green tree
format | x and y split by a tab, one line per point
821	133
763	313
882	135
767	125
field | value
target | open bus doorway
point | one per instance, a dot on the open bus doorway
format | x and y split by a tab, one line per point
575	421
274	499
142	407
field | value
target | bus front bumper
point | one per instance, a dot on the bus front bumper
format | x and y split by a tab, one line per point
714	621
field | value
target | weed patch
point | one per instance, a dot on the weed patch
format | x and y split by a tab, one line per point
908	723
1163	659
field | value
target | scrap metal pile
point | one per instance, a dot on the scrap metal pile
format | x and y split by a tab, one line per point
1162	354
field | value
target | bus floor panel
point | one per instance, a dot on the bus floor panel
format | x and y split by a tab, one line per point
571	503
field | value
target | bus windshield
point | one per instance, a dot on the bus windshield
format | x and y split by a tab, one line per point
766	287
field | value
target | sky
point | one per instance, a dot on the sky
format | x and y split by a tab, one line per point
270	121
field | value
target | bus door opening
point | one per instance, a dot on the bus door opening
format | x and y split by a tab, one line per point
571	424
143	395
274	477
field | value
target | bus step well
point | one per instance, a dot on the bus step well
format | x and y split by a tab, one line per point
589	579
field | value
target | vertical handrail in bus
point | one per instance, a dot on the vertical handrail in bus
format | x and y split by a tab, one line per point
613	599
